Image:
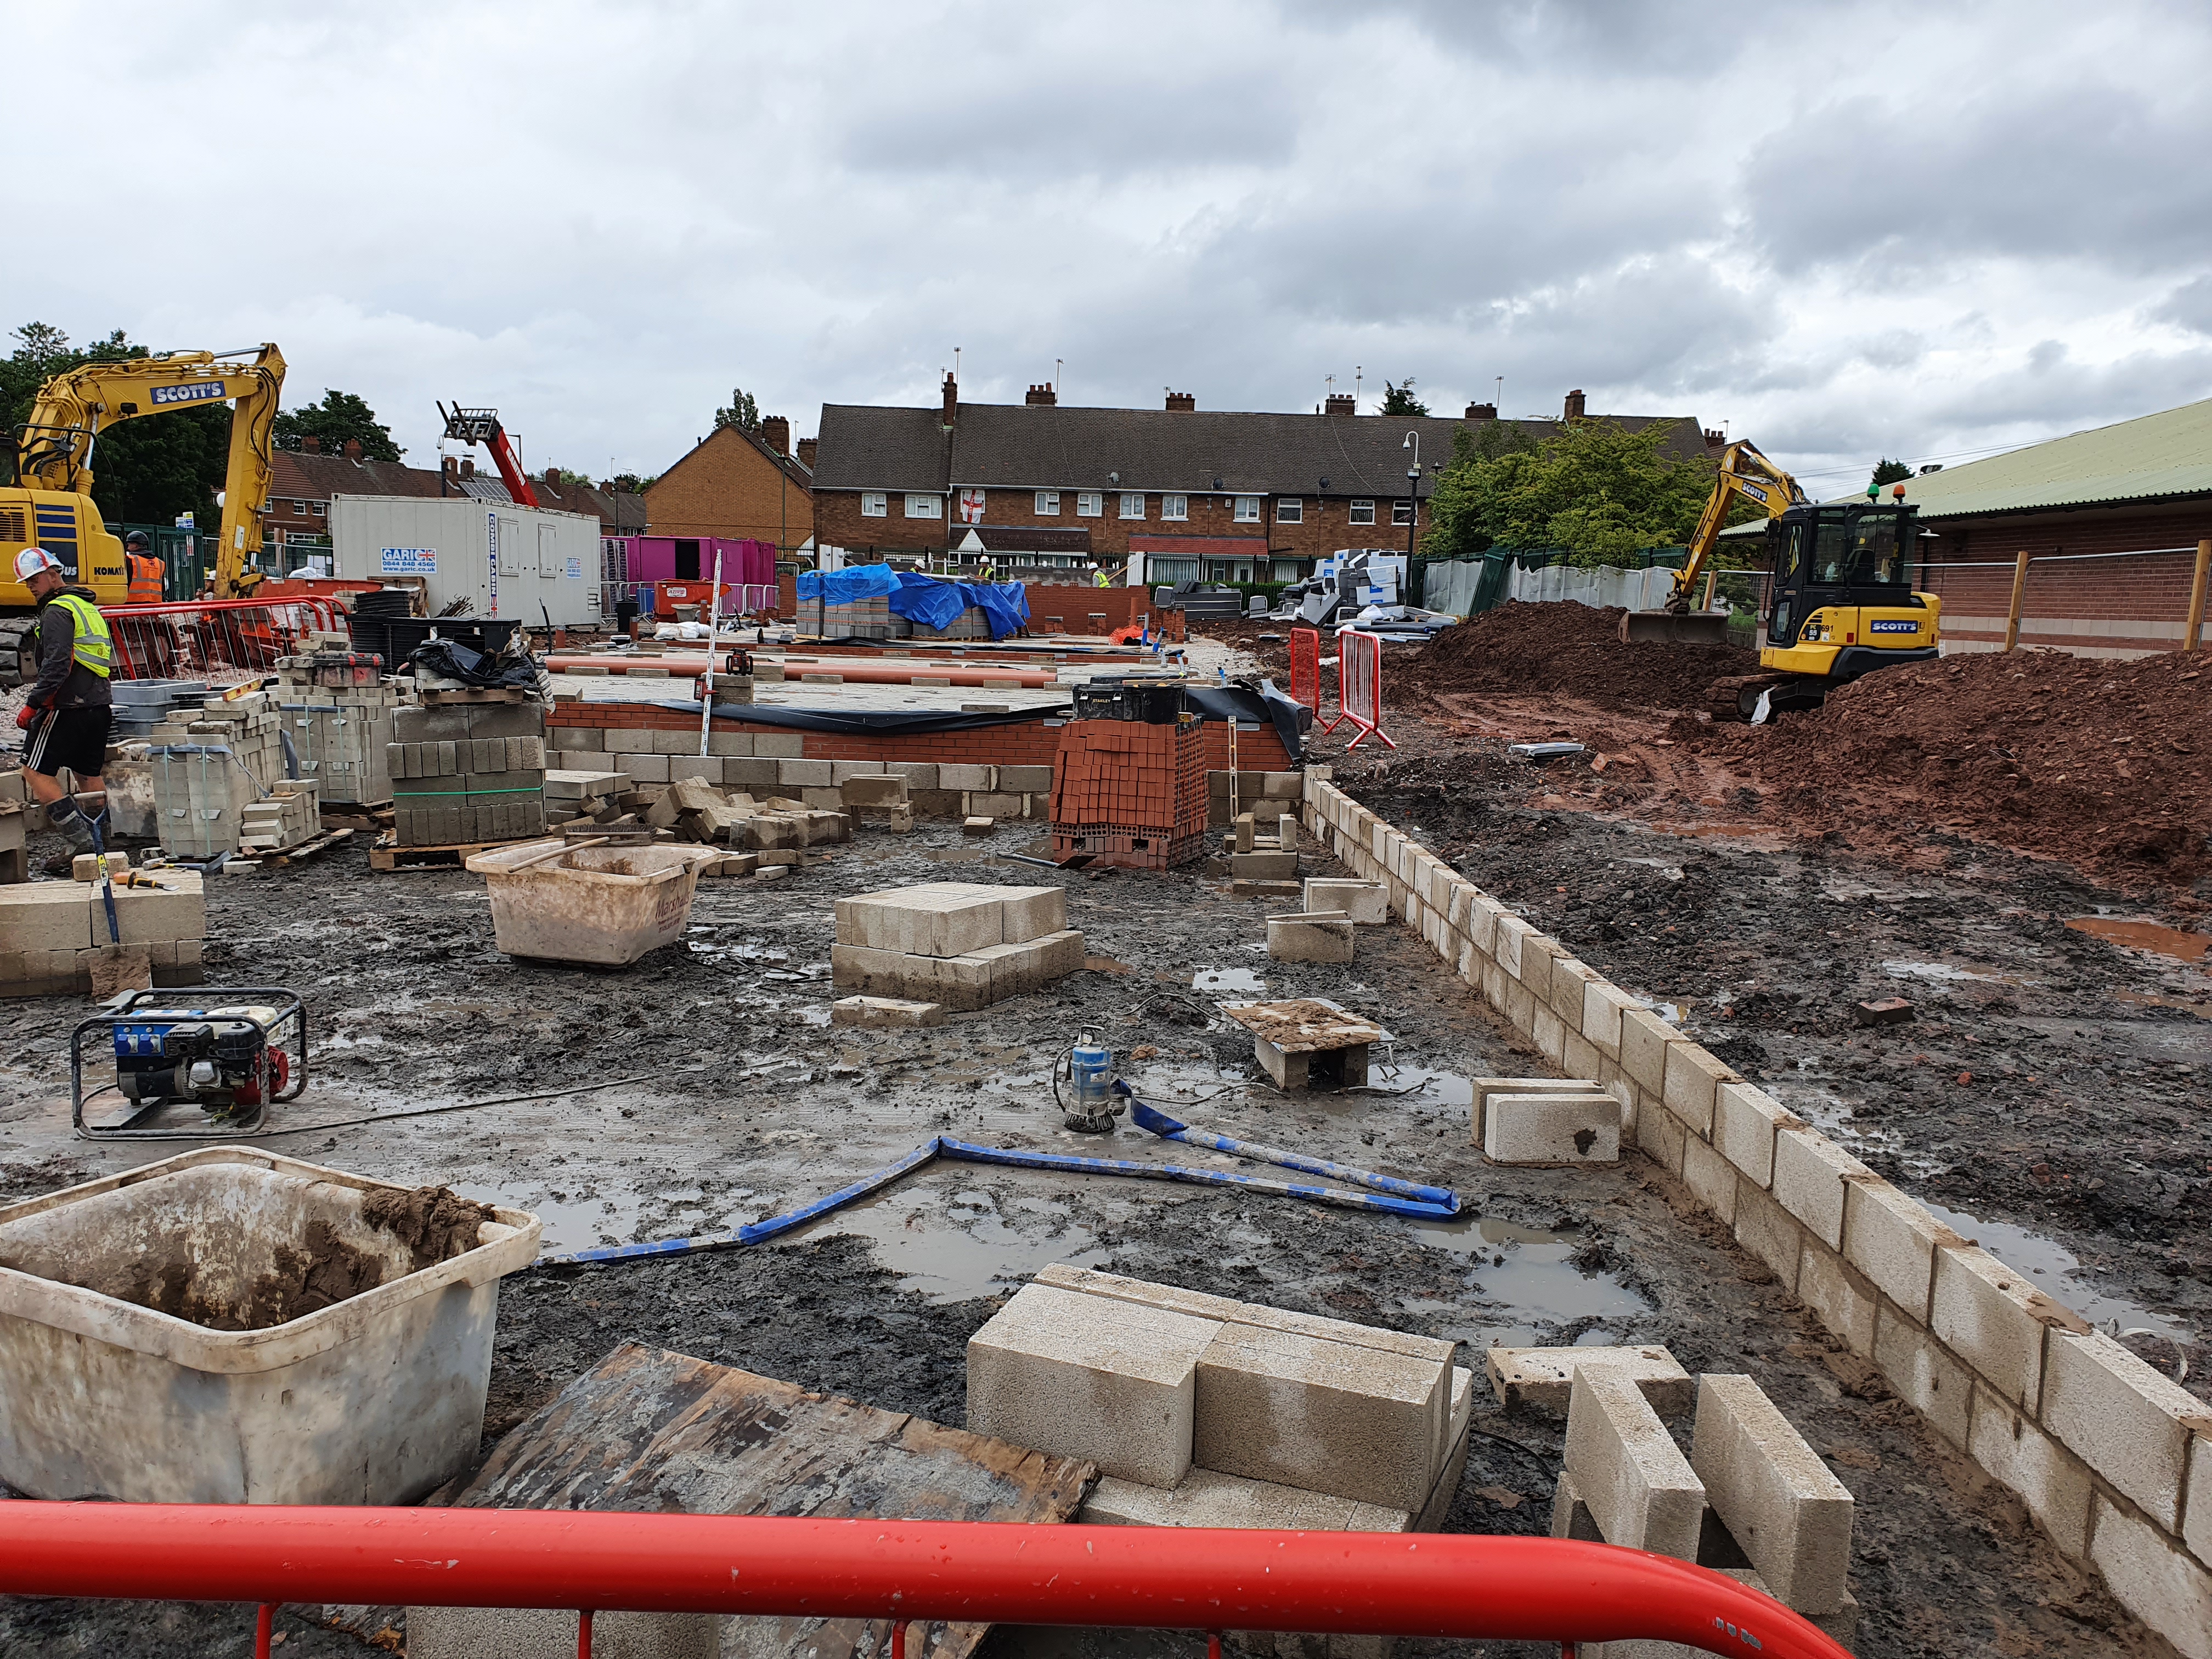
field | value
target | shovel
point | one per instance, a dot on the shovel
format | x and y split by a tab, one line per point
118	967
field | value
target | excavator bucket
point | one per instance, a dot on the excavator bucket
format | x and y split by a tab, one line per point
1673	628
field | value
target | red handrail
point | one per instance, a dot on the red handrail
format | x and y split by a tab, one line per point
1183	1578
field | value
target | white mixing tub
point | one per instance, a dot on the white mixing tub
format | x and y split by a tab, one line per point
377	1399
602	905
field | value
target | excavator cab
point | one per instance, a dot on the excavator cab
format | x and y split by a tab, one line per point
1843	603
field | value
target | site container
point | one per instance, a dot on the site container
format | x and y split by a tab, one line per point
518	563
375	1399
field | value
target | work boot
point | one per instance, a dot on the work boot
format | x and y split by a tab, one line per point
68	818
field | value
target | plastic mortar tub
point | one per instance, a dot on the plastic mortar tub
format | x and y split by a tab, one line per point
375	1399
606	906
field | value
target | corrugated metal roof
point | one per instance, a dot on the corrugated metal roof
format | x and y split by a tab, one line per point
2164	455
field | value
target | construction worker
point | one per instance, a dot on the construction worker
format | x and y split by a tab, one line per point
1098	577
148	586
67	712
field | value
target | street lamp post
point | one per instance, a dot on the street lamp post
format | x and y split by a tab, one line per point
1413	498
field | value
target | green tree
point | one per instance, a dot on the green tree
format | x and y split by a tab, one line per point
341	415
1887	472
742	413
1594	488
1399	399
629	484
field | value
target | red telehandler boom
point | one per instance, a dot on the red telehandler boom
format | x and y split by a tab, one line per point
481	426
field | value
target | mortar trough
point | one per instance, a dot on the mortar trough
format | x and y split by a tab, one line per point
377	1398
606	906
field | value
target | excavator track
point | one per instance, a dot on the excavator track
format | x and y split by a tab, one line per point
1736	697
19	651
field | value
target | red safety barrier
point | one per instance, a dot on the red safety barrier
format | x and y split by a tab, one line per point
1359	686
215	639
1431	1584
1305	668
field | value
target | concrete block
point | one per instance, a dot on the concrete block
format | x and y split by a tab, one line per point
1114	1287
1482	926
435	1633
730	744
1745	1120
1810	1174
629	739
1659	1134
1571	1516
1046	1372
873	790
1361	902
919	774
1551	1129
1264	866
1283	785
778	746
1788	1514
2053	1484
1844	1298
1029	913
1570	982
44	916
1578	1057
1764	1227
1985	1313
994	805
675	742
1294	938
1025	779
2161	1585
1710	1178
1207	1497
1322	1416
703	769
1018	969
1547	1031
1924	1376
739	773
2130	1424
1485	1087
841	770
2197	1507
1693	1077
1603	1005
1641	1490
879	1012
804	774
1545	1376
924	921
979	779
1538	953
1891	1239
645	768
1511	930
1644	1040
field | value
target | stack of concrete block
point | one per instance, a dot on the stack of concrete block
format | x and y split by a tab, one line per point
248	726
1263	794
290	813
1263	849
465	773
1201	1411
201	789
336	705
1362	903
51	932
861	619
1752	1499
964	944
583	793
1546	1120
878	799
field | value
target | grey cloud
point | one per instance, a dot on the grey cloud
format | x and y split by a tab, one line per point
2188	306
1660	37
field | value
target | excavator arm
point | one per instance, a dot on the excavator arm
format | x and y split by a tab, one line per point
54	448
1744	474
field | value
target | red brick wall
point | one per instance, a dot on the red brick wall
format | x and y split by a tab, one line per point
1073	605
725	487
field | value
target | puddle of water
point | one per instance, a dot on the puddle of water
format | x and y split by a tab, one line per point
2052	1269
1537	1275
572	1223
1227	979
957	1247
2140	935
1423	1087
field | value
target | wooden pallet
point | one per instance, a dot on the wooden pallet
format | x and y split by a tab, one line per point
296	853
366	815
386	854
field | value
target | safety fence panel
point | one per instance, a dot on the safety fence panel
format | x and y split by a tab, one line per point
893	1573
1359	686
1306	667
218	640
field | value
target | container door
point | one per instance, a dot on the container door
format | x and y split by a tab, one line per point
510	547
549	552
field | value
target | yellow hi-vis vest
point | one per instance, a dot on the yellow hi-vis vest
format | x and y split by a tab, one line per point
94	644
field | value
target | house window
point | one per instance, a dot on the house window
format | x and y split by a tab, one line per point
1248	509
1175	507
1401	512
1132	503
268	507
1362	513
1290	511
299	509
1089	503
920	506
322	508
874	504
1047	504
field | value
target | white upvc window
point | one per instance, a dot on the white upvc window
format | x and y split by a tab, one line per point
1089	503
1290	511
922	505
874	504
1175	507
1132	503
1401	512
1047	504
1248	509
1362	513
322	509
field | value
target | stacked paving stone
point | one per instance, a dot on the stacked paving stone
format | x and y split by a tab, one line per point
207	766
1129	792
51	932
1204	1412
2112	1458
336	704
289	814
862	619
961	944
465	773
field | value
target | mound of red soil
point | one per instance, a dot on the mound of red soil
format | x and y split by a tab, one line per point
1574	649
2106	764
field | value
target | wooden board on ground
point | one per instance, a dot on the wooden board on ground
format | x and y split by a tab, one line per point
648	1430
368	815
387	854
276	857
1307	1025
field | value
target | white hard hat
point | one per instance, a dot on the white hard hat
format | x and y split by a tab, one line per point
33	560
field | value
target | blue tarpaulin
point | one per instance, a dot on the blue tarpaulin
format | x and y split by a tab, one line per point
930	600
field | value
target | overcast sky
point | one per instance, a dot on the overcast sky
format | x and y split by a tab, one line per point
1843	229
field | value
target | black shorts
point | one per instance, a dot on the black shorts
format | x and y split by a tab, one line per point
72	737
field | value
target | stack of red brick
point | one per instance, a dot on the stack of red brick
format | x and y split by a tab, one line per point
1130	794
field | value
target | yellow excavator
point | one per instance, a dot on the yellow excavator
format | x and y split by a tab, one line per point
1841	604
50	504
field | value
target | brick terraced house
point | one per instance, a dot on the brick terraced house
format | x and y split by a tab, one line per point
1035	488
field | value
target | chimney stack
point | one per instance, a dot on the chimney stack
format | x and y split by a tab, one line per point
468	466
453	467
352	449
1041	397
806	452
311	445
1343	403
1482	411
1715	439
951	398
1575	405
776	433
1182	402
